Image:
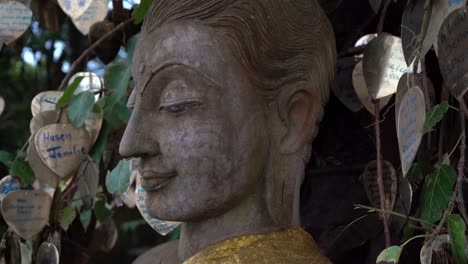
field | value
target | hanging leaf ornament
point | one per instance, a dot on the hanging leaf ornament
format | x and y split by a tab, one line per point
369	179
26	211
43	173
48	253
412	23
90	82
96	12
342	85
383	65
161	226
2	105
62	147
8	184
410	126
15	18
45	101
441	9
453	59
74	8
363	92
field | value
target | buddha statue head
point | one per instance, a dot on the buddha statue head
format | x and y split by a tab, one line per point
228	97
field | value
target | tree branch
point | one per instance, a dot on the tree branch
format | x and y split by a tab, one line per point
88	50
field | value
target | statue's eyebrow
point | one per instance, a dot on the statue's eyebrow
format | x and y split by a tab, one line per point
160	68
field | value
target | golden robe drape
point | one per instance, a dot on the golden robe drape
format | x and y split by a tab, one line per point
292	245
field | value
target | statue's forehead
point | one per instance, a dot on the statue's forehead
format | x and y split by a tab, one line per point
191	45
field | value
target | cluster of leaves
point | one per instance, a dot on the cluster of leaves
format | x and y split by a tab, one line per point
78	106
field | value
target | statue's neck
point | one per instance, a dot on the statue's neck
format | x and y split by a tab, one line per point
248	217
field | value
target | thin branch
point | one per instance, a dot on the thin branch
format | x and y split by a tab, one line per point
372	209
382	16
88	50
460	174
380	182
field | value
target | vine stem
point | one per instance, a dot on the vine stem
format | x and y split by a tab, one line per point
360	206
460	173
380	182
88	50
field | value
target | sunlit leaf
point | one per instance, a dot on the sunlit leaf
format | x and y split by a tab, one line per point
435	115
66	217
436	194
457	227
117	180
390	255
140	10
79	108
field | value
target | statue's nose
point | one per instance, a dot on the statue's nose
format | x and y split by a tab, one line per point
129	144
140	137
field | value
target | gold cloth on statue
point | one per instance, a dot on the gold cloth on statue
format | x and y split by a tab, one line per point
292	245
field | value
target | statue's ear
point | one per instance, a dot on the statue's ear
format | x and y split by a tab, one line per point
298	106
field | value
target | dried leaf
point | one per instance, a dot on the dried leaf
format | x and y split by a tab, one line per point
369	178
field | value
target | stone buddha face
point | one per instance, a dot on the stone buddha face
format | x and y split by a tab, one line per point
226	104
198	125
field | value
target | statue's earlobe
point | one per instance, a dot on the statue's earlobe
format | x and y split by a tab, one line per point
298	105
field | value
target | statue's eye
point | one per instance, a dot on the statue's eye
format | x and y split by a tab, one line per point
180	107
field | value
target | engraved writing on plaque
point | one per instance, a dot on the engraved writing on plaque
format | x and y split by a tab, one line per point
62	147
26	212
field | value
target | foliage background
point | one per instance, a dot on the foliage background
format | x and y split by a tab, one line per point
344	146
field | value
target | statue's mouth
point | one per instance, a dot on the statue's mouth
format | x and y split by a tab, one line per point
153	181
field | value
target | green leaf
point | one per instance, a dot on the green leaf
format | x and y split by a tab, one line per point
123	113
6	158
436	194
415	174
457	227
117	114
117	180
131	226
116	79
175	234
131	48
85	218
79	108
140	11
23	170
101	212
389	255
66	217
435	115
100	145
69	93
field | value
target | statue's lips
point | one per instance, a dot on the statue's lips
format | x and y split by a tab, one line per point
153	181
